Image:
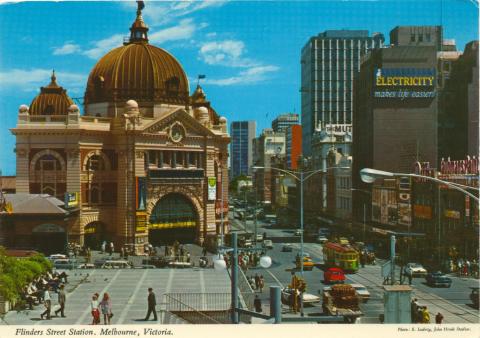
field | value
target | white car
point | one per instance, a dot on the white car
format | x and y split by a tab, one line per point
259	237
415	270
268	244
322	239
308	298
362	292
57	256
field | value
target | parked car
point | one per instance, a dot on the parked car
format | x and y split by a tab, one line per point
63	264
86	266
268	244
334	275
475	297
287	248
415	270
322	239
259	237
362	292
110	264
438	279
57	256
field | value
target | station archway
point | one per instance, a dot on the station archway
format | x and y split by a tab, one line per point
49	239
94	235
174	218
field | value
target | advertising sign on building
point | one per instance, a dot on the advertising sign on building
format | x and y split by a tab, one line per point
212	188
422	211
452	214
141	193
338	129
404	83
72	199
141	221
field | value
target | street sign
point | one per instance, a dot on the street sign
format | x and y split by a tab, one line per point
386	269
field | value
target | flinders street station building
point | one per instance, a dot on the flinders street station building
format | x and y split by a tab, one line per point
144	163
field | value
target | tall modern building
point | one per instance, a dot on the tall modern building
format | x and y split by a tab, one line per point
293	145
329	63
283	121
243	133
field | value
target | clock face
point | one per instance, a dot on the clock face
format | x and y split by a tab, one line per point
177	133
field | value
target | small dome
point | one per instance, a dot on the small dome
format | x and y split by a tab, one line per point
222	120
201	114
73	109
52	100
23	109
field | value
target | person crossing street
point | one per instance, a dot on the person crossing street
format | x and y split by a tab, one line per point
61	301
152	302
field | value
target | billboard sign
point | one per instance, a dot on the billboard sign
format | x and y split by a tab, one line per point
212	188
404	83
141	193
71	199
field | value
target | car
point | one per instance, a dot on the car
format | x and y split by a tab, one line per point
475	297
63	264
307	263
308	298
259	237
322	239
287	248
146	266
333	276
298	232
268	244
57	256
111	264
343	241
438	279
362	292
86	266
415	270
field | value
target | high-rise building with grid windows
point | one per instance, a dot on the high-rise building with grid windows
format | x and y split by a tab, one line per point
243	133
329	64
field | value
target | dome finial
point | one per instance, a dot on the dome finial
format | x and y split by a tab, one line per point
139	28
53	82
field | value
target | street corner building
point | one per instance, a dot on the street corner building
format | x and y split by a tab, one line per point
146	162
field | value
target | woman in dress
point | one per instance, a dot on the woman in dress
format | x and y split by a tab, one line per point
106	307
95	311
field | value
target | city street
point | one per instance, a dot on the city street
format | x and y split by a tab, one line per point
453	302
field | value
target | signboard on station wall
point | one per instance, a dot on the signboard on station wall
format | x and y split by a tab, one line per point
140	193
212	188
72	199
141	221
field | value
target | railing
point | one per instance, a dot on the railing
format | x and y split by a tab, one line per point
247	296
199	308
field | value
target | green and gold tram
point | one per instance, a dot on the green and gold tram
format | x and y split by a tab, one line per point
340	256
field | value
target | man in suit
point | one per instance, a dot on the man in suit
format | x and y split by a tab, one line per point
61	301
152	302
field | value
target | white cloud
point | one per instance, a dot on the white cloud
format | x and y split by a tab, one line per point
67	48
104	46
225	53
33	79
184	30
249	76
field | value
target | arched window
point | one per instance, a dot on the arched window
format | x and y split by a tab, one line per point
95	163
174	210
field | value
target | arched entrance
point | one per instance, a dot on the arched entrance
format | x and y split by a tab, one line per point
49	239
94	235
174	218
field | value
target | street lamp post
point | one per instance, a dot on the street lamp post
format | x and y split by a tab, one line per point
364	212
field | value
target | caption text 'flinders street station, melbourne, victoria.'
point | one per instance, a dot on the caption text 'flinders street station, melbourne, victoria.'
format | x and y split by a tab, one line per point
145	162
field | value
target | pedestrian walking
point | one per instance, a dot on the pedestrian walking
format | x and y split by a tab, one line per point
261	283
425	316
104	246
409	278
106	308
152	302
112	249
257	282
47	302
257	303
362	259
414	310
439	318
204	251
95	310
62	297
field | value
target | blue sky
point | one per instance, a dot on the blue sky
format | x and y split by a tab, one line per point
250	51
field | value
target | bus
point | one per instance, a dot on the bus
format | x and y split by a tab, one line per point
340	256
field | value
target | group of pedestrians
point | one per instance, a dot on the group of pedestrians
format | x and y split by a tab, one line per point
256	282
108	247
421	315
103	307
47	302
465	267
